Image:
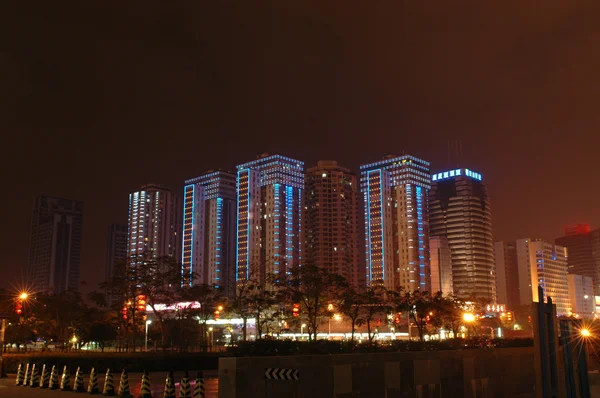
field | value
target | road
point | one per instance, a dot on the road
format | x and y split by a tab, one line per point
157	381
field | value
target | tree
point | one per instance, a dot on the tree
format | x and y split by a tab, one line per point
373	307
204	299
450	310
419	305
350	306
314	289
102	331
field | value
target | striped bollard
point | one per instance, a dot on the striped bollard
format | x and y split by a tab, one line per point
45	377
124	385
53	385
35	377
109	384
199	391
145	390
20	375
184	387
93	383
169	386
27	375
78	386
65	381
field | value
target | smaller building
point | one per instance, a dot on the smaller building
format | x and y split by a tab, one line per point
581	294
441	265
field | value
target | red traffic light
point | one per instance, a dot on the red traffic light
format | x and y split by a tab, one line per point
296	310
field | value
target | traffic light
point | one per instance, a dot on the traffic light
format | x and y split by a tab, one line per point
141	302
124	312
296	310
509	316
19	307
397	320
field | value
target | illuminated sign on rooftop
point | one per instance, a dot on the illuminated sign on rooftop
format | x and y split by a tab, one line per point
456	173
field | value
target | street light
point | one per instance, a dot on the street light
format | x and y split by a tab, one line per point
302	329
468	318
212	340
148	322
585	332
23	296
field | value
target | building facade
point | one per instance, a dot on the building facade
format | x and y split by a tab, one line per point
543	264
460	210
395	192
55	244
208	236
441	265
507	273
269	217
116	248
581	296
330	220
153	224
583	245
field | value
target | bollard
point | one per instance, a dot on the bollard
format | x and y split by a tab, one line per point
27	375
45	377
53	385
78	386
20	375
93	383
35	377
169	387
124	385
145	390
199	387
65	382
184	387
109	384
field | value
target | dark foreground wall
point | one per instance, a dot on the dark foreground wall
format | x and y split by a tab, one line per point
134	362
506	372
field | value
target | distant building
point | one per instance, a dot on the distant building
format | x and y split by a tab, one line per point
55	244
507	274
208	237
584	252
153	224
581	294
330	220
543	264
459	209
269	216
116	248
395	193
441	265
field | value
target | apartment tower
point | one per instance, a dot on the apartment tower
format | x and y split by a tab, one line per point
55	244
153	224
395	193
330	220
208	236
269	217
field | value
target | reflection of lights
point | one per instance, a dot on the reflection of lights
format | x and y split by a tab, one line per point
468	317
585	332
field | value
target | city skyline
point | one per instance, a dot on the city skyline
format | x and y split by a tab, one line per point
521	108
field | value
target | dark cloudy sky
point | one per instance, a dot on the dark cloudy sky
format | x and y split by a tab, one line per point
97	98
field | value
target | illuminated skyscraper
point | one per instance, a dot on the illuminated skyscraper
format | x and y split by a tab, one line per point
330	220
269	216
208	238
459	209
397	222
55	244
543	264
153	224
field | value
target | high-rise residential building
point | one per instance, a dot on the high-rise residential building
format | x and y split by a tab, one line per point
459	208
395	193
584	252
581	296
153	224
55	244
116	248
543	264
208	238
330	220
441	265
269	216
507	273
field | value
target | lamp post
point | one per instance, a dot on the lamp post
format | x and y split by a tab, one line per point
302	329
212	335
469	318
148	322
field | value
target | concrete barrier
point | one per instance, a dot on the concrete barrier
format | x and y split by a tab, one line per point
506	372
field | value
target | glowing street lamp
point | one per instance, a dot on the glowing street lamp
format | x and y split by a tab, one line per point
585	332
23	296
468	317
148	322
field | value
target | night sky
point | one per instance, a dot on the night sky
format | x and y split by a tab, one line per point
100	97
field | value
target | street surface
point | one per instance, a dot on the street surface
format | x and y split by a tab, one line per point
157	380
